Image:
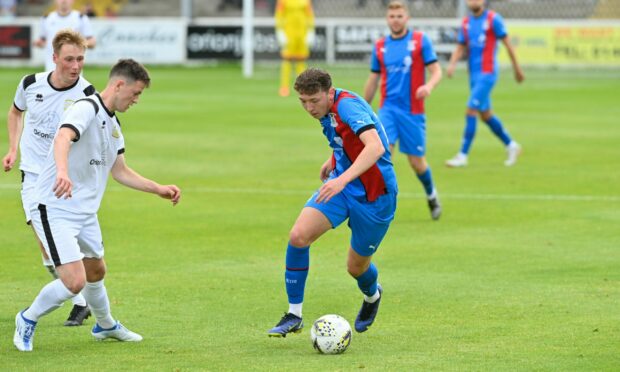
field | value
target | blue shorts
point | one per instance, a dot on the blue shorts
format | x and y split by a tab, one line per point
407	128
368	221
481	87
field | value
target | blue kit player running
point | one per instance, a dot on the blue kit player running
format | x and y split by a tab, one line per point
359	185
400	61
478	36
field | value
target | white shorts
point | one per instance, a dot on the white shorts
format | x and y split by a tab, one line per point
67	237
29	179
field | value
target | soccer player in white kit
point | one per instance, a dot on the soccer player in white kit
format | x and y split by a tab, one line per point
39	103
63	17
88	147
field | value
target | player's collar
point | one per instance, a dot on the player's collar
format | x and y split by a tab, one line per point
407	34
49	81
110	114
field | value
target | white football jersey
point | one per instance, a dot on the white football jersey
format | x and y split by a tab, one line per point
54	22
98	143
44	105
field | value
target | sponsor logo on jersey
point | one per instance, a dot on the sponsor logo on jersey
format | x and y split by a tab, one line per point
68	103
97	162
43	135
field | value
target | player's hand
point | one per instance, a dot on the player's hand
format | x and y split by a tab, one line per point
63	186
170	192
450	71
326	169
423	92
519	76
8	161
330	189
310	38
281	36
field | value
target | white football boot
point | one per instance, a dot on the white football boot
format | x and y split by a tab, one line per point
460	160
514	150
24	332
118	332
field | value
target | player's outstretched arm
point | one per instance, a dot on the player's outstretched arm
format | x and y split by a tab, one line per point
425	90
62	143
454	58
130	178
373	150
15	126
370	89
519	76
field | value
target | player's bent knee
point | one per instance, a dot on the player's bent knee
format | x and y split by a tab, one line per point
299	238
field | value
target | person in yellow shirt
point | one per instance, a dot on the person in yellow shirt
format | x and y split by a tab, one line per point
295	33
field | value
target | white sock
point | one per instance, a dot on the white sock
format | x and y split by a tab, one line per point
372	299
512	144
97	298
79	300
295	309
461	155
433	195
51	297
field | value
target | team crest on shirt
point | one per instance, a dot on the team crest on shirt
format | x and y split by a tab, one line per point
68	103
332	120
485	25
412	45
116	133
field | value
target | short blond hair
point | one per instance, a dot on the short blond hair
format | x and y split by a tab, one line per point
67	37
397	4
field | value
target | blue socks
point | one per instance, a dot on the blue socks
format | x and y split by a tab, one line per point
469	133
427	181
297	264
367	282
498	129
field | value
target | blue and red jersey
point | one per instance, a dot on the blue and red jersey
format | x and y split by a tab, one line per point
349	117
401	63
480	35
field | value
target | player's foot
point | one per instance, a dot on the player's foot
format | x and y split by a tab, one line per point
77	316
513	150
118	332
460	160
435	207
289	323
367	313
24	332
284	92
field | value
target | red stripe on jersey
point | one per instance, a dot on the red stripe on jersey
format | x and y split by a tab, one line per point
372	179
418	77
488	54
380	48
465	27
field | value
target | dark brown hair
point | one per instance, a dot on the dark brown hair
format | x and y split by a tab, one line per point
312	81
130	70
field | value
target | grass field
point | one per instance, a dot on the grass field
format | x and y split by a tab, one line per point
521	273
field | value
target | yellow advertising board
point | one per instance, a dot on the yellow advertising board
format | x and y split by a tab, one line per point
565	44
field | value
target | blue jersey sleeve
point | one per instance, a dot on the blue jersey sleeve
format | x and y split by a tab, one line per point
428	53
375	66
461	37
355	114
499	27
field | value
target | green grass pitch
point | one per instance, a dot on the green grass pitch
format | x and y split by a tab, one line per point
521	273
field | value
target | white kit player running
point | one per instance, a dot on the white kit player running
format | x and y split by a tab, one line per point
88	147
62	18
39	103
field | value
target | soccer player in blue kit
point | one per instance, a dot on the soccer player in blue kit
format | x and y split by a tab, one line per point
359	184
400	61
478	36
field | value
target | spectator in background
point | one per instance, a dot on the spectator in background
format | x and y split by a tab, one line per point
88	10
295	33
63	17
8	9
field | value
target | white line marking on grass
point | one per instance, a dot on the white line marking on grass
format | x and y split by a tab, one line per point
406	195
